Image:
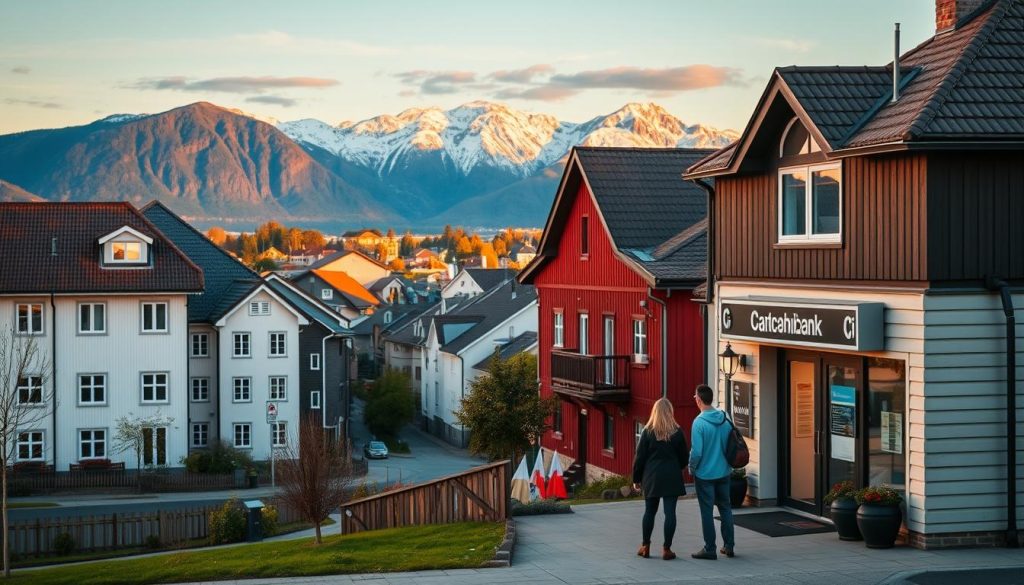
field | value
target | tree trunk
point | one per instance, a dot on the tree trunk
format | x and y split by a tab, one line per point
6	531
318	540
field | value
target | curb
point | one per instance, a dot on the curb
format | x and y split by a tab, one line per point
503	555
905	577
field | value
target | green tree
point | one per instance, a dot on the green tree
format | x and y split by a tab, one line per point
407	245
389	405
504	408
263	265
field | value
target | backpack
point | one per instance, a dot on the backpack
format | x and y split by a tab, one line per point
736	452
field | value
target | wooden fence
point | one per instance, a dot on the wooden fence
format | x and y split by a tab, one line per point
169	481
105	532
479	494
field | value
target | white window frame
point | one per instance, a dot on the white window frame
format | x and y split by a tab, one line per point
235	335
205	395
166	386
284	344
146	306
326	294
92	319
259	308
640	341
280	393
31	330
558	328
201	428
113	259
583	321
29	386
31	440
808	235
204	343
247	428
235	388
314	400
92	441
314	361
92	385
279	430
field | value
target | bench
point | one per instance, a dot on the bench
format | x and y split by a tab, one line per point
87	465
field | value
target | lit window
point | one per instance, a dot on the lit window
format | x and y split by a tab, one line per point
242	345
126	251
92	389
30	446
278	347
242	433
200	434
810	203
200	345
92	444
30	390
559	329
278	388
640	340
200	389
30	318
241	389
154	317
92	318
154	387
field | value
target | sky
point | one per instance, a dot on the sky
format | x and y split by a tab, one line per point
65	63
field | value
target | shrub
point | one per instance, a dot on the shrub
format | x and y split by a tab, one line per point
63	544
842	489
365	490
597	488
152	542
227	524
220	458
540	507
268	516
884	495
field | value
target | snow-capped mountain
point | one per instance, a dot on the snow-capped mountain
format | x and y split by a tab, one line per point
492	135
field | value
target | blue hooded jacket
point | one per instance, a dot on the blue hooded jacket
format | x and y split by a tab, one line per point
709	436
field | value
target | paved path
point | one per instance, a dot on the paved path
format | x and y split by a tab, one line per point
597	545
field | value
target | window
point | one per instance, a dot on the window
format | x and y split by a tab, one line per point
314	361
387	317
241	389
559	329
887	422
278	345
609	431
556	420
584	323
640	340
314	399
810	207
242	433
326	294
200	389
154	387
259	308
92	318
30	318
419	373
200	434
154	445
154	317
30	446
278	388
126	251
92	389
92	444
242	345
279	434
200	345
30	390
584	235
796	140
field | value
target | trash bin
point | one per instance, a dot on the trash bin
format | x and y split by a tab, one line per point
254	515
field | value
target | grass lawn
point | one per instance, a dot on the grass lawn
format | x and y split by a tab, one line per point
415	548
16	505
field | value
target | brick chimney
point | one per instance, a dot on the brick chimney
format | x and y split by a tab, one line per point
950	12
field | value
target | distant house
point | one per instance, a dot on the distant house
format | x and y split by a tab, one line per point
473	281
421	258
339	291
367	238
523	253
369	332
389	290
274	254
360	267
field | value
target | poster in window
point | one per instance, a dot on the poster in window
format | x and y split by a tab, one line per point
804	410
892	432
843	422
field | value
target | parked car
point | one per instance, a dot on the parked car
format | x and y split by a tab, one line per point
375	450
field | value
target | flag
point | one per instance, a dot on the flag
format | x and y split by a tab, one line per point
537	479
556	483
521	483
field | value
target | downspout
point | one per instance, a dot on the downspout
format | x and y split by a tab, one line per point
53	371
709	295
664	341
323	379
216	331
462	382
996	284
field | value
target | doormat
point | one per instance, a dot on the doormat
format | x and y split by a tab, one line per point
779	524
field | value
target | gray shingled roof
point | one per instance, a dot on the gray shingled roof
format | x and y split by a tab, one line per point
522	342
489	278
310	308
837	98
487	311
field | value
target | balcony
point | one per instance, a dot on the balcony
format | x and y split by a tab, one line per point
598	378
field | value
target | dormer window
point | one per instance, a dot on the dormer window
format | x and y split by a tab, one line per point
126	247
810	197
796	140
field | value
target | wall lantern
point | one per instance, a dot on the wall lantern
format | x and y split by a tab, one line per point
729	362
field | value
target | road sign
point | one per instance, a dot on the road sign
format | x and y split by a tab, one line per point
271	412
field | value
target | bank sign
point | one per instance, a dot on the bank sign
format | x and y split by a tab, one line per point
814	323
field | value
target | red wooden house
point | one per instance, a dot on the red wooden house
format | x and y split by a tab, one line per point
623	249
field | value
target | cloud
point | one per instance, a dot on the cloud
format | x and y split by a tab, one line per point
20	70
274	100
33	103
671	79
522	75
438	82
544	93
233	84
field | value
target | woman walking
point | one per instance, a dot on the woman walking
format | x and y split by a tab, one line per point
661	457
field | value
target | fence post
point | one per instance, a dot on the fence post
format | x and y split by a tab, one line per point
113	530
39	536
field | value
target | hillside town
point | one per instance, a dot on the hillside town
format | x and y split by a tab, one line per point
791	349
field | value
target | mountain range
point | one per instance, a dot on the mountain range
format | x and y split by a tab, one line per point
482	164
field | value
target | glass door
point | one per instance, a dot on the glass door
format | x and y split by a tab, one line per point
842	447
801	461
609	349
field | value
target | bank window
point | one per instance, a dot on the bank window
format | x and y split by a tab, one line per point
559	329
810	203
92	318
887	424
154	317
30	318
30	446
609	431
640	340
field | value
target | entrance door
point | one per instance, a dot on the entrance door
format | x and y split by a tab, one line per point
609	350
801	460
584	327
841	449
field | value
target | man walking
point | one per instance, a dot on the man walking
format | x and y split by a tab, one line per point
711	471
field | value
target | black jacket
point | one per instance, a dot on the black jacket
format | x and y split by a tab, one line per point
659	465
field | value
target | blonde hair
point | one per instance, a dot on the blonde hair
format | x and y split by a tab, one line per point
663	421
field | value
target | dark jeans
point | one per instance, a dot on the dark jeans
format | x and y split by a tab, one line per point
651	510
715	492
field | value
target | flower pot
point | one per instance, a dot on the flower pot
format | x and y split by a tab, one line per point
737	491
844	514
879	524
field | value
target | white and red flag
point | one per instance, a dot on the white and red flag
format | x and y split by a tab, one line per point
537	479
521	483
556	483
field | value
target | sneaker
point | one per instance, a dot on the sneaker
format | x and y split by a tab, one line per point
705	554
727	552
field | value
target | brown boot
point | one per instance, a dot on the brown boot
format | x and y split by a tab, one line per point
645	551
667	554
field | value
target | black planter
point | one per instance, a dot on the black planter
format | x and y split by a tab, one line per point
879	524
737	491
844	515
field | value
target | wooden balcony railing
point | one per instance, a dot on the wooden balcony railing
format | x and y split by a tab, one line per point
600	378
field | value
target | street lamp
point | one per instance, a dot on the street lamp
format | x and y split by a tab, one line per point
729	362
